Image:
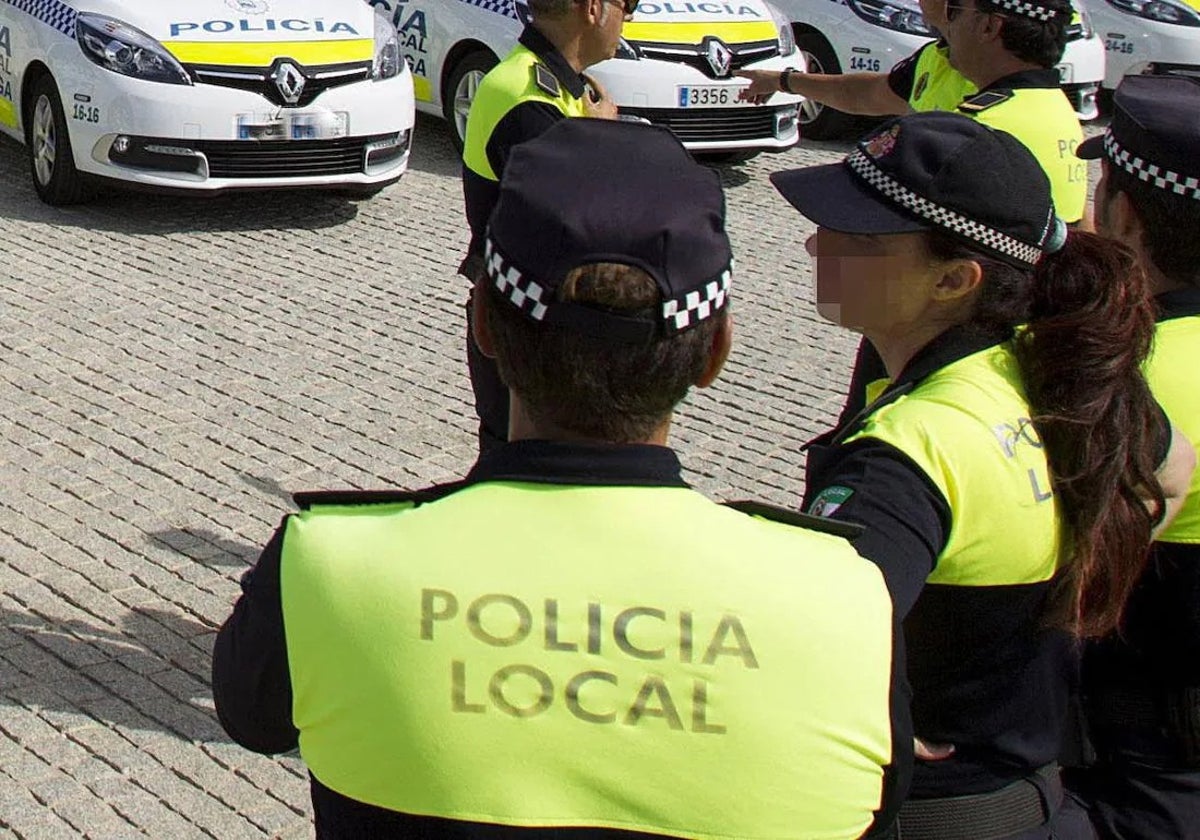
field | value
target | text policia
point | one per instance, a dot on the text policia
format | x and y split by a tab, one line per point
504	621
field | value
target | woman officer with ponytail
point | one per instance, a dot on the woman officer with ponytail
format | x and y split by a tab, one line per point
1008	476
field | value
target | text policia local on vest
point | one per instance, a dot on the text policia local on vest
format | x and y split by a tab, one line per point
524	691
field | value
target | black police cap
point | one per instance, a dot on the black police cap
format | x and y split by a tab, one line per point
604	191
1154	134
935	171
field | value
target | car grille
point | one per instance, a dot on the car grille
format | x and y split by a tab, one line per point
696	56
258	80
284	159
711	125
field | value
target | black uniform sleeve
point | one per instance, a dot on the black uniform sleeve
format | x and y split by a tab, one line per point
903	76
524	122
906	519
897	776
251	684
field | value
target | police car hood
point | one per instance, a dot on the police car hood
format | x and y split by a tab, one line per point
692	21
202	31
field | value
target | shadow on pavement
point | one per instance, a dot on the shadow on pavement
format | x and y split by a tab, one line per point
148	674
206	547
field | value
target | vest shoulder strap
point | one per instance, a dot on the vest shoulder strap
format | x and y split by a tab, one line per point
984	100
351	498
796	519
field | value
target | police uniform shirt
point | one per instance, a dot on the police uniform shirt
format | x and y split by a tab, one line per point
524	122
252	678
983	676
1158	649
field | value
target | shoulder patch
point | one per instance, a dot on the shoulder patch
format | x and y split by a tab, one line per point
546	81
984	100
829	500
797	519
347	498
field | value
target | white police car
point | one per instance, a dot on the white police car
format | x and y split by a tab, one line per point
845	36
674	67
1148	36
206	95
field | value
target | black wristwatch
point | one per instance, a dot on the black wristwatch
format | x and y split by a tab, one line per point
785	78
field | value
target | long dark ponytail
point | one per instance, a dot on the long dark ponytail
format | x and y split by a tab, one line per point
1090	324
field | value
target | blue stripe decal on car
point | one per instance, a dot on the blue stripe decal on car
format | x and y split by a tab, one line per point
51	12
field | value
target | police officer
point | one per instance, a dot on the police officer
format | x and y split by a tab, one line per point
999	477
539	83
1142	687
571	642
995	63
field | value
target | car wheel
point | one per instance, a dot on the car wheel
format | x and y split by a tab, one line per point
51	162
817	121
461	85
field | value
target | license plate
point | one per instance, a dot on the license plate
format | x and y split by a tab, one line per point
1066	73
315	125
709	96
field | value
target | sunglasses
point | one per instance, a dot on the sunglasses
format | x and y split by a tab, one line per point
630	6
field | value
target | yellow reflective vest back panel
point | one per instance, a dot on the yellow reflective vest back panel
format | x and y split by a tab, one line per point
1171	371
967	427
628	657
1044	121
506	86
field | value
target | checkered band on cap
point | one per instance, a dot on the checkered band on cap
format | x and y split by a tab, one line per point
1151	173
527	295
690	309
1026	9
862	165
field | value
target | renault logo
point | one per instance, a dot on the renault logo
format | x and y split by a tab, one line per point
720	57
290	82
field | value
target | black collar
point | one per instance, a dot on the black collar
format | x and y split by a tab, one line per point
1026	79
947	348
590	464
1180	303
540	45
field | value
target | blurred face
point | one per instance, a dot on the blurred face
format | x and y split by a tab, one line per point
876	285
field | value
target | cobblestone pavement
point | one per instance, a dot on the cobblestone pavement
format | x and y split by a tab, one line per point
171	370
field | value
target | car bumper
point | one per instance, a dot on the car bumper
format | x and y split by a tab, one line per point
1149	47
650	89
210	138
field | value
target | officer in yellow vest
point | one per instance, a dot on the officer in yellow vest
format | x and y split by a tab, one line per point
995	62
539	83
937	240
1142	687
571	642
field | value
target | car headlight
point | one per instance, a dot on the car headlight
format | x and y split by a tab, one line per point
387	49
900	17
1163	11
787	38
124	49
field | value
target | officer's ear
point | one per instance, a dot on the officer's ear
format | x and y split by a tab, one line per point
959	278
593	10
1121	221
480	328
722	342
